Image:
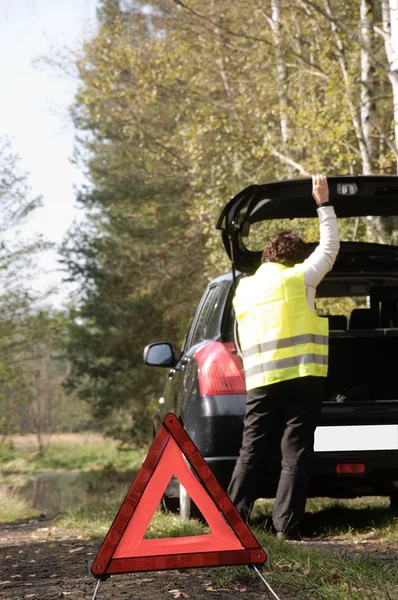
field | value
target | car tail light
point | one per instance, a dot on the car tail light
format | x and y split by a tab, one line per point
347	469
220	370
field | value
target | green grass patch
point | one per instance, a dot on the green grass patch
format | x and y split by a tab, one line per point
69	452
12	507
94	521
354	521
325	576
309	574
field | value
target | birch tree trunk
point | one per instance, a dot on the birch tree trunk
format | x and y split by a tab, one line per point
358	118
275	23
367	86
390	30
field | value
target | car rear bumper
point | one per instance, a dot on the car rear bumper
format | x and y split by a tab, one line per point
380	476
215	424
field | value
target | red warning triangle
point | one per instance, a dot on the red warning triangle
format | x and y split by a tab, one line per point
125	550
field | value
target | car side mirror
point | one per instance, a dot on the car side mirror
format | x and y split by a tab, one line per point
159	354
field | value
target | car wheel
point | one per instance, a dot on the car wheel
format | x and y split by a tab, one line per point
188	508
171	499
169	504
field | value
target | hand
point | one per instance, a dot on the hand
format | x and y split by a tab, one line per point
320	189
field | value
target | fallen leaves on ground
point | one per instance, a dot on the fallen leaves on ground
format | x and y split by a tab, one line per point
210	588
178	594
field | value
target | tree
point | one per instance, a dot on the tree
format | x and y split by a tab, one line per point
32	337
127	256
17	300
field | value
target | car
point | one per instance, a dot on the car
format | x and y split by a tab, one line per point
356	442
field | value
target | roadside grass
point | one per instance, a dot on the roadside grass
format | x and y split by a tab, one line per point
355	521
307	573
94	521
12	507
19	454
339	576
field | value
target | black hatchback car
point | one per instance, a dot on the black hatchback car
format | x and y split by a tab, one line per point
356	442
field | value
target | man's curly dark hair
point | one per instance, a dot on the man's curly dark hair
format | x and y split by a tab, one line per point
286	248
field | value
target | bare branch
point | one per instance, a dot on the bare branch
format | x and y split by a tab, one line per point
289	161
220	25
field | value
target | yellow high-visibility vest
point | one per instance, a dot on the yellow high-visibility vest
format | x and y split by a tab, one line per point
280	337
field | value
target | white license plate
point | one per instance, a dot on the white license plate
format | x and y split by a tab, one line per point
356	437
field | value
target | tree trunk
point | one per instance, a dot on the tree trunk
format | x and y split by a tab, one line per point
390	29
275	23
367	86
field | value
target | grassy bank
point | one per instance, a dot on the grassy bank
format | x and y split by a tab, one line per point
356	521
68	452
12	507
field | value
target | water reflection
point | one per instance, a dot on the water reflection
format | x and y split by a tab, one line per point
51	493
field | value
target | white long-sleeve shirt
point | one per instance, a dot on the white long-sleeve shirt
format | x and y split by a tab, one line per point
322	259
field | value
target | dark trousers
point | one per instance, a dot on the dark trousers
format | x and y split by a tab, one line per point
284	414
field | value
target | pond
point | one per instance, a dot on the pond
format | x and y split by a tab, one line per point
54	492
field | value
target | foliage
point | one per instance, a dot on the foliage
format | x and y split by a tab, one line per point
128	256
21	319
32	396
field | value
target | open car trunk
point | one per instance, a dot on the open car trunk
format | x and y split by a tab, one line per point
362	381
352	196
362	366
362	384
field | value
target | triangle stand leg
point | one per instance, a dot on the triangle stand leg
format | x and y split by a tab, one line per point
97	587
267	585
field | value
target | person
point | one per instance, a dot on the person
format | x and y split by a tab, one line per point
285	353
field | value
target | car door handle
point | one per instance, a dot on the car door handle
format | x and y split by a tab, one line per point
185	361
171	373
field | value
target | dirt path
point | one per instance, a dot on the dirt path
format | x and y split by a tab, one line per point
39	561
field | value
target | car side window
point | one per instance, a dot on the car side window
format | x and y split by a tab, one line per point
203	324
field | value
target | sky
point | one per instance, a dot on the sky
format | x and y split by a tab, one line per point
34	103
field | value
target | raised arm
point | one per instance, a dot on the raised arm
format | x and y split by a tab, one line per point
322	259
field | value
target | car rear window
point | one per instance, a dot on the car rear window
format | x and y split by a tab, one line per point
206	320
351	229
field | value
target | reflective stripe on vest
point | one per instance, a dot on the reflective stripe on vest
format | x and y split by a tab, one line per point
283	363
285	343
281	338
